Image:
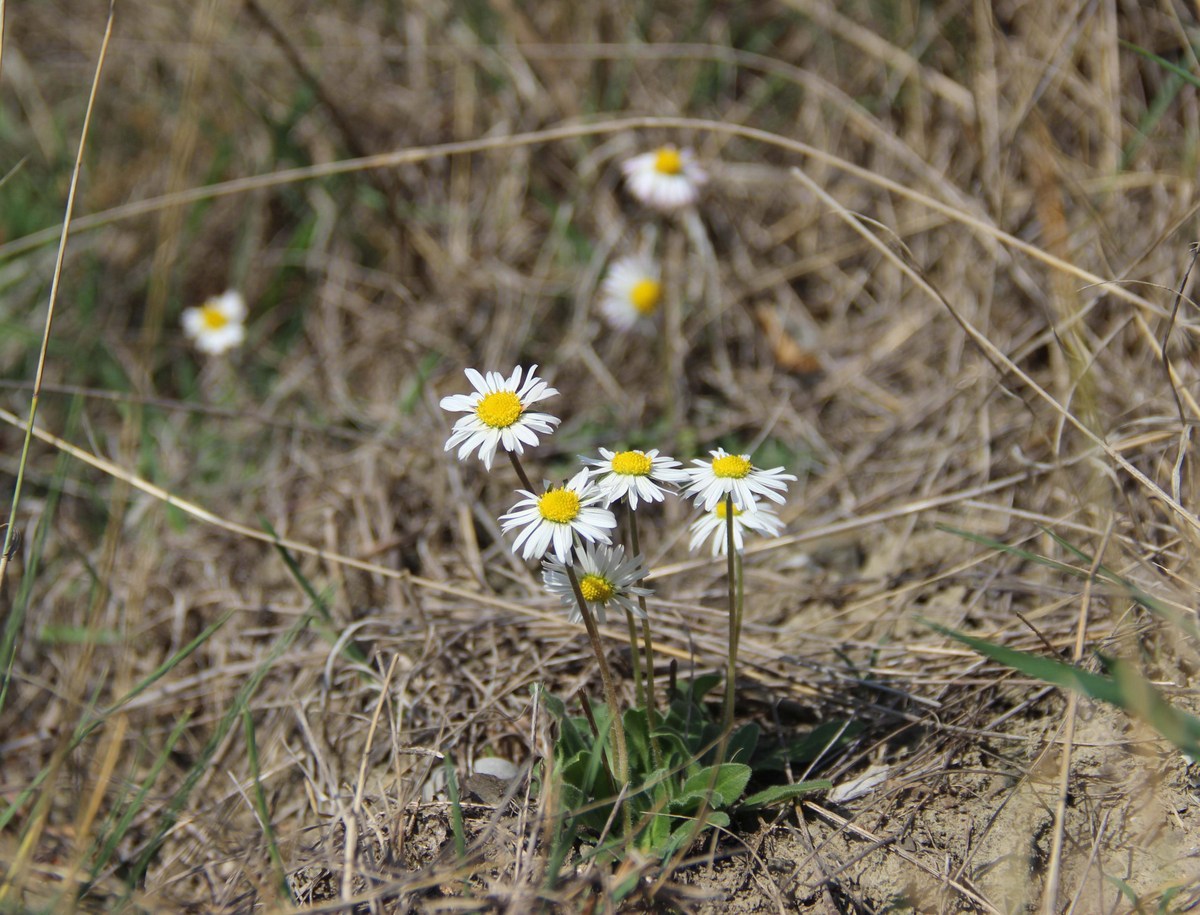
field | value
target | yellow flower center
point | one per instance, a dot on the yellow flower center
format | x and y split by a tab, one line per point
731	465
631	464
559	505
595	590
645	295
668	161
499	410
722	514
213	317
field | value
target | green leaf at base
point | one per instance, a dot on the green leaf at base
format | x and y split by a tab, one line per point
777	794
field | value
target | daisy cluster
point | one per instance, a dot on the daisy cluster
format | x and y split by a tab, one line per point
665	180
569	525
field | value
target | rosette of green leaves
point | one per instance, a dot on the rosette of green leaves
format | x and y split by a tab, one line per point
685	776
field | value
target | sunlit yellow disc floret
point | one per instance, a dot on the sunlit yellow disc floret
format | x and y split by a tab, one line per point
213	318
596	589
499	410
631	463
733	466
668	161
559	505
645	296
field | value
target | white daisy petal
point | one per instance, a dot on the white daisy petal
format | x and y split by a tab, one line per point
760	519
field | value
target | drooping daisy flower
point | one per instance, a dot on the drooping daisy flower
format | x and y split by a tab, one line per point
667	179
217	325
634	475
606	579
761	520
727	473
497	414
556	516
631	292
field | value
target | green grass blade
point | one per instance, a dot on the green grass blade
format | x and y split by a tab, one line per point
777	794
89	723
1132	591
1126	688
241	700
170	663
327	626
14	624
263	811
1103	573
122	825
1179	71
1003	547
456	817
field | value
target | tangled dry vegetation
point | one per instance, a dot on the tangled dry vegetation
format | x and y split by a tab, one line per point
931	275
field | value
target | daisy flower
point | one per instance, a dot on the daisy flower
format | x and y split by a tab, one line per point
727	473
606	579
630	292
761	520
497	414
554	517
216	326
667	179
634	475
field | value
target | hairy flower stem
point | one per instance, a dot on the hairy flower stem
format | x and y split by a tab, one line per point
651	709
610	691
516	462
620	749
635	654
735	621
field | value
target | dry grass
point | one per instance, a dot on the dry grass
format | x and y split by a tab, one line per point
931	274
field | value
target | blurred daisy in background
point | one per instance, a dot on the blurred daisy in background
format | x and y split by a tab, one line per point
606	579
726	474
761	520
556	516
497	414
634	475
631	292
667	179
218	325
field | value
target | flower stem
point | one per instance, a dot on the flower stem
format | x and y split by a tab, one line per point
651	709
610	692
639	691
735	622
516	462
